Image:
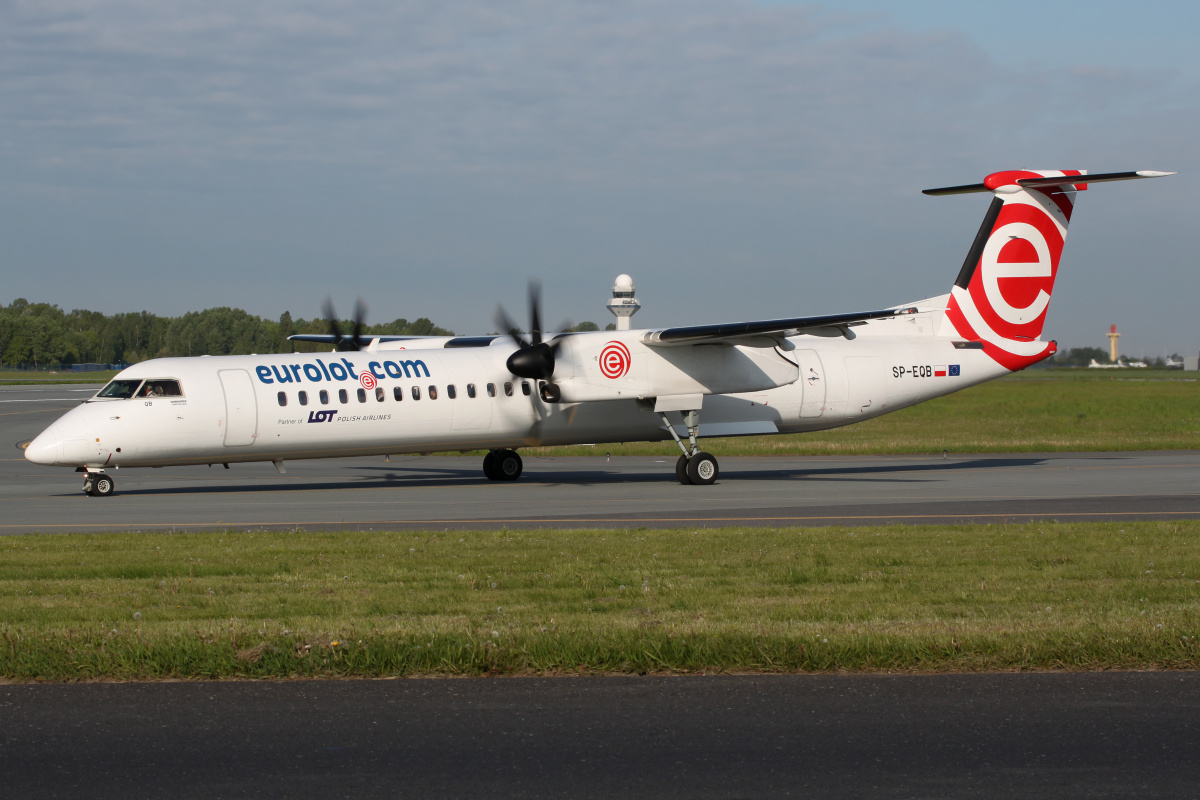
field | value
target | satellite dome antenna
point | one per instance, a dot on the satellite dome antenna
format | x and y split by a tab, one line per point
623	304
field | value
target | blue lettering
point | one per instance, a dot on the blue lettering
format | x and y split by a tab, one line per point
312	373
264	374
375	367
338	371
295	368
325	415
286	377
392	369
416	366
350	367
322	365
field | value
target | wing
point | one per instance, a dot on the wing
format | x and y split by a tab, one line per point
329	338
769	332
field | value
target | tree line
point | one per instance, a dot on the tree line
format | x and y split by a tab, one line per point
35	334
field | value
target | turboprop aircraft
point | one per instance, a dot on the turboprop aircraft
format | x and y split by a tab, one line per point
386	395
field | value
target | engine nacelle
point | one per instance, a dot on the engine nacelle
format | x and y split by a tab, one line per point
601	366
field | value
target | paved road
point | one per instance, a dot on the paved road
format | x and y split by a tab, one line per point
451	492
1061	735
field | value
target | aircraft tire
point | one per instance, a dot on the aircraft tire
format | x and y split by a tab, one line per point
489	466
508	465
102	486
702	469
681	471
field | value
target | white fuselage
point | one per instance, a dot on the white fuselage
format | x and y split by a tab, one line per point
431	398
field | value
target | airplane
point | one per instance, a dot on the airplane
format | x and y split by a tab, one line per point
1094	364
387	395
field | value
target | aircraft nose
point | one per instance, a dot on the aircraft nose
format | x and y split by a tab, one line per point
43	449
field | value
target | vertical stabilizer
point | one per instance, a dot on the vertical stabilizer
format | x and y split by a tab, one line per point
1003	290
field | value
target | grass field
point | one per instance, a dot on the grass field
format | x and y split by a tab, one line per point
1032	411
903	598
22	377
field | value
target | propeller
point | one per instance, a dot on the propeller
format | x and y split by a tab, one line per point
347	342
534	358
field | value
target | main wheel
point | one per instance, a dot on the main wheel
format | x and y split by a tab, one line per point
681	471
507	465
102	486
489	465
702	469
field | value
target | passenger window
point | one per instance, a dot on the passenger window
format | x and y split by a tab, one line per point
379	393
433	393
450	393
282	396
345	398
470	390
362	395
324	397
491	390
397	393
508	388
525	388
416	393
303	397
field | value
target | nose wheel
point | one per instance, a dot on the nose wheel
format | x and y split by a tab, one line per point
97	484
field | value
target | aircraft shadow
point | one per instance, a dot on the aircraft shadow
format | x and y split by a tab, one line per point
399	477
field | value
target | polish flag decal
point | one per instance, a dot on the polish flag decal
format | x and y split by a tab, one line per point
939	371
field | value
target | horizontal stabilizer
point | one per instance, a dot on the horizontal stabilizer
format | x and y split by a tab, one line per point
1041	183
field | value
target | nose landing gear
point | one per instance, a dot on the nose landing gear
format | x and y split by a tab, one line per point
97	484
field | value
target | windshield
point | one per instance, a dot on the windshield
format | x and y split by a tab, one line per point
119	389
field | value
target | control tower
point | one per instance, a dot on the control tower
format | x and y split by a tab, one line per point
623	304
1112	343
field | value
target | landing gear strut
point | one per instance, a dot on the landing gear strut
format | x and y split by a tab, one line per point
694	467
97	484
502	465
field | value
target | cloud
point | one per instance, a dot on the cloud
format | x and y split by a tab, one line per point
586	91
258	143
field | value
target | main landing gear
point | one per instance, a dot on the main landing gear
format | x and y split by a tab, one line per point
502	465
694	467
97	484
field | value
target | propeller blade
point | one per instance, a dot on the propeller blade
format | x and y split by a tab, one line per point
332	321
535	315
360	318
508	327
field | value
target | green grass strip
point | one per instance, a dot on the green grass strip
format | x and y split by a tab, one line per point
1020	413
1078	596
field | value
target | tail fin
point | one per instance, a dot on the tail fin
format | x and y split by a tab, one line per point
1003	290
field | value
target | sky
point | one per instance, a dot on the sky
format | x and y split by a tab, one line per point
741	159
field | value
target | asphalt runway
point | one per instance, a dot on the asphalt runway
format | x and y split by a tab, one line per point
878	736
1044	735
450	492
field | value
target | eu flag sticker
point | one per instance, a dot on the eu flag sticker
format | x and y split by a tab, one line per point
954	373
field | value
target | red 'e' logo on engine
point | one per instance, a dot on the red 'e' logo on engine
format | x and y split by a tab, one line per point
614	360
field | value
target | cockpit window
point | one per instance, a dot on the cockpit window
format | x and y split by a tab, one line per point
160	387
120	389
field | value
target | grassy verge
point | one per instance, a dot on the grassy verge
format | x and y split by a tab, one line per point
1014	414
270	604
22	377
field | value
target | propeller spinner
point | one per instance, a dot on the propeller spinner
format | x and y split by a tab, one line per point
534	358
